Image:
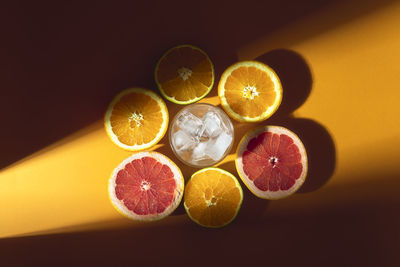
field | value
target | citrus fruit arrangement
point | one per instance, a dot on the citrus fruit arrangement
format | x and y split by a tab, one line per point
270	160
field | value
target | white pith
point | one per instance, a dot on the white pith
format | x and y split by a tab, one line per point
250	184
145	185
137	118
212	201
273	161
249	92
150	217
185	73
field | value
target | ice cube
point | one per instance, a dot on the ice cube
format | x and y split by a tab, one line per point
191	124
212	124
217	146
199	151
183	141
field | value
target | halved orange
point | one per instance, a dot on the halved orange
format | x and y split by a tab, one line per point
184	74
213	197
136	119
250	91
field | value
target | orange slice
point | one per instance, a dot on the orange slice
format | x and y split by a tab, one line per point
212	197
136	119
184	74
250	91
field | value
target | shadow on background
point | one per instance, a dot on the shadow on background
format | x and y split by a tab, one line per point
300	239
295	76
296	79
320	149
63	62
253	208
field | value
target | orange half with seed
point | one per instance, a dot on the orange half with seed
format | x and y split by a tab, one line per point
136	119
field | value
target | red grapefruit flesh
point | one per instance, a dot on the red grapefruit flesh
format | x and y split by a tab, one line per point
272	162
146	186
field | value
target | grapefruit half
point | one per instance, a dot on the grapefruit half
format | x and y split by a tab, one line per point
147	186
272	162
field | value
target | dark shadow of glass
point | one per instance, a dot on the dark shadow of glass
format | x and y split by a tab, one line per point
295	76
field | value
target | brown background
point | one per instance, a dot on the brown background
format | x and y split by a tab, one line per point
62	62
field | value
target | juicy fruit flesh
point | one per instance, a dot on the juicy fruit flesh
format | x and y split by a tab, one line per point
272	161
212	198
185	73
145	186
249	91
136	119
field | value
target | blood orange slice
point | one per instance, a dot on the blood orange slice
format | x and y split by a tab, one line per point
272	162
146	186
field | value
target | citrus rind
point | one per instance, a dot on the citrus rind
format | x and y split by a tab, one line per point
277	87
239	204
119	205
160	134
242	146
173	99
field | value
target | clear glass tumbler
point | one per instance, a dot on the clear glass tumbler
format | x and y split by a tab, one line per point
201	135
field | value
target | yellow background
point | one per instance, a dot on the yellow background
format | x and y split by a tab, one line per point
354	97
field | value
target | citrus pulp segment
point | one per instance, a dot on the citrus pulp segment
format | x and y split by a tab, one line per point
184	74
250	91
136	119
147	186
212	197
272	162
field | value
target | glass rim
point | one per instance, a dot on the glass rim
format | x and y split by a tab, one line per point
200	165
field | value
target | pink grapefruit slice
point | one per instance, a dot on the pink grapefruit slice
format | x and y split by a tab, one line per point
272	162
147	186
